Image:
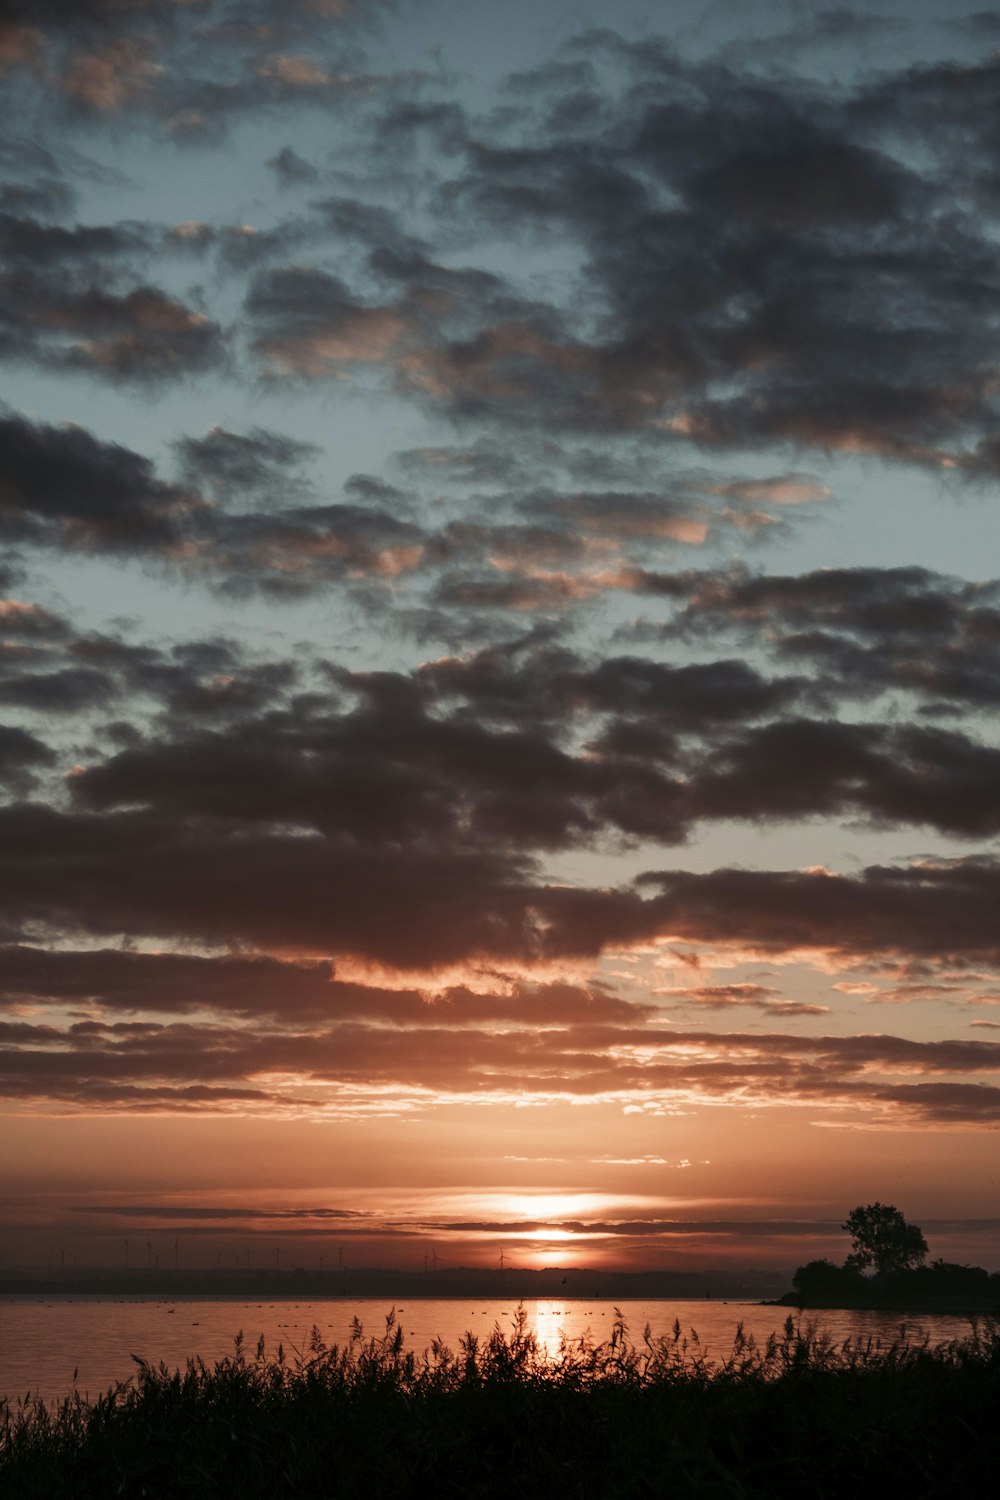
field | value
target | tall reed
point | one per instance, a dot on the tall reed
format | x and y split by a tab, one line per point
795	1415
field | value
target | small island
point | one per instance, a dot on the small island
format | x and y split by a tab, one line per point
886	1270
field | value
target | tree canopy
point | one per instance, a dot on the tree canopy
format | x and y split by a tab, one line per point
882	1238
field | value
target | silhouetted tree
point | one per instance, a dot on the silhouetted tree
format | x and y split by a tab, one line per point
882	1238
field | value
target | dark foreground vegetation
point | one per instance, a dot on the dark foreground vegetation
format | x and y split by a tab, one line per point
797	1416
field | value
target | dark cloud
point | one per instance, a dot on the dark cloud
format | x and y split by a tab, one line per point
47	669
46	196
309	323
67	691
688	697
625	515
803	768
112	982
63	486
195	1212
872	602
394	252
480	748
786	768
185	1063
484	463
119	980
203	681
26	242
30	622
722	997
522	680
866	630
68	301
209	860
291	169
391	774
20	754
933	909
735	232
421	903
238	248
189	68
800	182
244	467
238	517
72	15
298	550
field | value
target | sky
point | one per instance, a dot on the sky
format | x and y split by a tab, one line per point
499	635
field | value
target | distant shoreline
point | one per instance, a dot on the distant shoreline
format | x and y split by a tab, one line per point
395	1284
568	1283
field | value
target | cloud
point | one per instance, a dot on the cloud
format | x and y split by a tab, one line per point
66	488
109	77
187	67
69	301
308	323
20	753
750	234
754	249
62	486
523	746
517	682
244	467
728	996
934	909
243	878
197	846
67	691
46	197
285	891
29	622
291	169
298	550
343	1062
870	630
807	768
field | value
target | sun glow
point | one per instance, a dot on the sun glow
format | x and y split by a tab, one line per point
542	1257
548	1205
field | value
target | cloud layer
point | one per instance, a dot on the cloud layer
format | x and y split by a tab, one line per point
519	431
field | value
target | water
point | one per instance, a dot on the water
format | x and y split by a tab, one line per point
42	1339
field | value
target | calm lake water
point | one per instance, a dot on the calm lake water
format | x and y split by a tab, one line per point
43	1339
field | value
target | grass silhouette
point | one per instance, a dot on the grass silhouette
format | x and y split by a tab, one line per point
798	1415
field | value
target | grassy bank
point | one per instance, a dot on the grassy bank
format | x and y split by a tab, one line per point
797	1416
